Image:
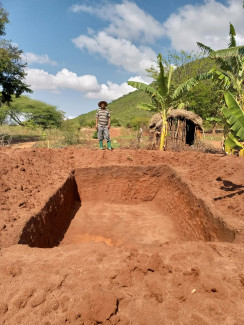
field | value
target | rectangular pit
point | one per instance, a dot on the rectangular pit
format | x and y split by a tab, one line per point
121	205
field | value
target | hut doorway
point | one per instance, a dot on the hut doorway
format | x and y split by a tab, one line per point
190	132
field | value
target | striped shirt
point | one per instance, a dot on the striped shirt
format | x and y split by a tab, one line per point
103	115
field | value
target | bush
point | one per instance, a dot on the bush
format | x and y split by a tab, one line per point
115	122
91	123
138	122
94	136
70	132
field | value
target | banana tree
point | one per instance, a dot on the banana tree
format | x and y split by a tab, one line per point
230	78
160	95
234	116
230	72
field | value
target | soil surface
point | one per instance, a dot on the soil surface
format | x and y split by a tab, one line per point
122	237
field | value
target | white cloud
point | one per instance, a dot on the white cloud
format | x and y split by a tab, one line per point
207	23
112	91
122	42
127	21
42	80
119	52
40	59
84	8
87	84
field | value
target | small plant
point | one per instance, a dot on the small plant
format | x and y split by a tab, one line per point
138	122
94	136
70	132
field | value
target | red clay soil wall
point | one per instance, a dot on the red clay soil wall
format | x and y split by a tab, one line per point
192	218
47	228
159	185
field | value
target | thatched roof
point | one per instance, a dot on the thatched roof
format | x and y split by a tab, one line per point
156	120
182	113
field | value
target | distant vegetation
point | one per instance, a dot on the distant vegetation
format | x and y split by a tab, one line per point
203	99
123	112
30	112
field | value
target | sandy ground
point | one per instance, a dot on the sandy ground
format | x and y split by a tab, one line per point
155	237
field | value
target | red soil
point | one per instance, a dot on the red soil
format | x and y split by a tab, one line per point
145	237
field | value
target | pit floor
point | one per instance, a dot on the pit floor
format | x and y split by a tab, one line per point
120	225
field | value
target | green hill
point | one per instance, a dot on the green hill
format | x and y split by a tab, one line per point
201	100
123	111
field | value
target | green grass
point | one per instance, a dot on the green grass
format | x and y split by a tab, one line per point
216	138
16	134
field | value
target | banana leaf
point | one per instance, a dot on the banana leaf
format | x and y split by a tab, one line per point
147	89
146	107
234	116
227	53
233	143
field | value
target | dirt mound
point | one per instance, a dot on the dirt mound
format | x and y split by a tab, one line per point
141	237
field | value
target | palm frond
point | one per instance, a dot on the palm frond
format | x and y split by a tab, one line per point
206	49
185	86
233	79
152	92
234	116
224	64
220	78
171	69
205	75
190	83
146	107
228	53
162	79
232	34
232	142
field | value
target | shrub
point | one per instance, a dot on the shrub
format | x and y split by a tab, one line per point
91	123
70	132
94	136
138	122
115	122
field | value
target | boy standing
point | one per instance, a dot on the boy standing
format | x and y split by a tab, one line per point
103	124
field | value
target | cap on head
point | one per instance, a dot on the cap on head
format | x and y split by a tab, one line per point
102	102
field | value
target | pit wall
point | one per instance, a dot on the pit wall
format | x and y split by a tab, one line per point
160	185
47	228
191	216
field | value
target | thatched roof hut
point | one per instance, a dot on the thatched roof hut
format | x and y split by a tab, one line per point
183	127
187	115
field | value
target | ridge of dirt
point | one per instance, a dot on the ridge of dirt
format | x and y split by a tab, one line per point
93	282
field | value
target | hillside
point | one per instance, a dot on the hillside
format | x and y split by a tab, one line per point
201	100
123	110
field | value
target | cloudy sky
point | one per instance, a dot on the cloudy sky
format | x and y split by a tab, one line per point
80	52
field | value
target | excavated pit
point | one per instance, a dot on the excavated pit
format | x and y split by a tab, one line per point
124	206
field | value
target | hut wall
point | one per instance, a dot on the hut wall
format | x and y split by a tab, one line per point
176	132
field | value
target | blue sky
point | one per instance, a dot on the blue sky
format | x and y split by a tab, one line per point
81	52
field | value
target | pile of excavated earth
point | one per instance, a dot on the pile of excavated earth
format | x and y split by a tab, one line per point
122	237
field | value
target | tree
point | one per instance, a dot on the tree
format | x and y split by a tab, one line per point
12	69
228	73
24	110
229	76
235	118
160	94
183	65
202	99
